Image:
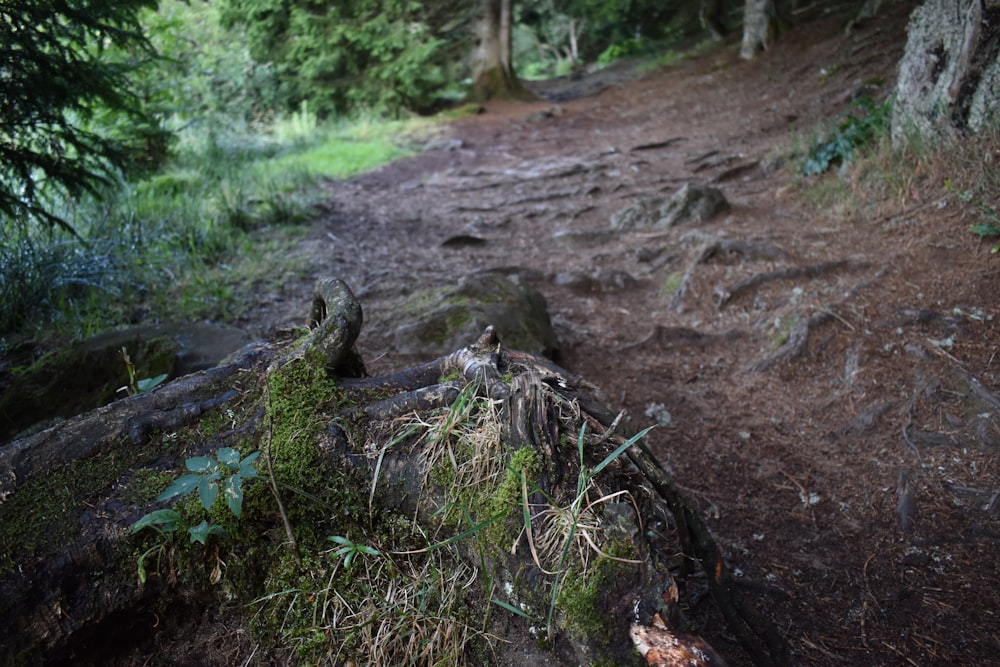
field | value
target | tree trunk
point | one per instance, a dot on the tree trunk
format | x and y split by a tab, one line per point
949	77
493	72
708	14
489	467
760	27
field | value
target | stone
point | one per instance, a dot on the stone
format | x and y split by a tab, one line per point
91	373
439	321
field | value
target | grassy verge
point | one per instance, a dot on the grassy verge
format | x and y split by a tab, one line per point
193	241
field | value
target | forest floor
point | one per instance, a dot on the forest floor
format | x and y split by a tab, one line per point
823	358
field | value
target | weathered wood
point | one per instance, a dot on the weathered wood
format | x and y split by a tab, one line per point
133	418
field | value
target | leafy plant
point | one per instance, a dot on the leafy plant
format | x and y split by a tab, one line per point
225	473
136	385
165	522
852	133
989	219
209	476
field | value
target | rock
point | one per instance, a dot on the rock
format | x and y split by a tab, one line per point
445	144
949	76
446	319
691	203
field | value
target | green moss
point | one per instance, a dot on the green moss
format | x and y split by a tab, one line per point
43	515
671	284
524	461
582	592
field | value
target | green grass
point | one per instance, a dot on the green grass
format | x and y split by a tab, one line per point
195	240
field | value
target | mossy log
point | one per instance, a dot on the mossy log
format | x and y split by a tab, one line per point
488	465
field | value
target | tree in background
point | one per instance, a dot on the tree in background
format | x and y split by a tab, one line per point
493	71
70	119
342	57
760	26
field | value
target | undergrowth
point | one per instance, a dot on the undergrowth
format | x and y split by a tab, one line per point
186	242
853	133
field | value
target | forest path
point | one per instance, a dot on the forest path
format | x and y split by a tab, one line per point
814	368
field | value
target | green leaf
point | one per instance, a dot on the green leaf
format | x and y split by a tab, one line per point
625	445
984	229
183	485
512	609
148	384
229	457
208	490
201	464
233	491
201	532
162	520
247	468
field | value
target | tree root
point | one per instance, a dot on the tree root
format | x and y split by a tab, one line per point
727	294
335	321
166	408
745	249
795	346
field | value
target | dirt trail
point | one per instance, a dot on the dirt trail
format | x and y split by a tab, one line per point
816	373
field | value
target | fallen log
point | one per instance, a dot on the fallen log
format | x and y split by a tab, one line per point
408	519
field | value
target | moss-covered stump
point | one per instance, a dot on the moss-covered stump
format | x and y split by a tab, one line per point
483	508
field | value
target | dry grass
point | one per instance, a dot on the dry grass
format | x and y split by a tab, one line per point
407	619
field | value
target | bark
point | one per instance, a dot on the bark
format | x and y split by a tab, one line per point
760	27
493	72
949	78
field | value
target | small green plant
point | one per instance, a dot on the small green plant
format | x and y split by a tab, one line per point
852	133
989	219
136	385
349	550
225	473
566	527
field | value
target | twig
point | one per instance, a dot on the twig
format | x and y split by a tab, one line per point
274	484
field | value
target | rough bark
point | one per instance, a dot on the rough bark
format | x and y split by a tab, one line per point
949	76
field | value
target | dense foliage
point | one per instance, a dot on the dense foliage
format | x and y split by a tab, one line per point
71	118
341	57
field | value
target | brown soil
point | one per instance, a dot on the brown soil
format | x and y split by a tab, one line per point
864	351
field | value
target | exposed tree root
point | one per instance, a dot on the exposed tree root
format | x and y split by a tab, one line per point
540	406
743	248
675	337
727	294
166	408
795	346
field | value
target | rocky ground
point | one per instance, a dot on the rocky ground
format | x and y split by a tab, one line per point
825	376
